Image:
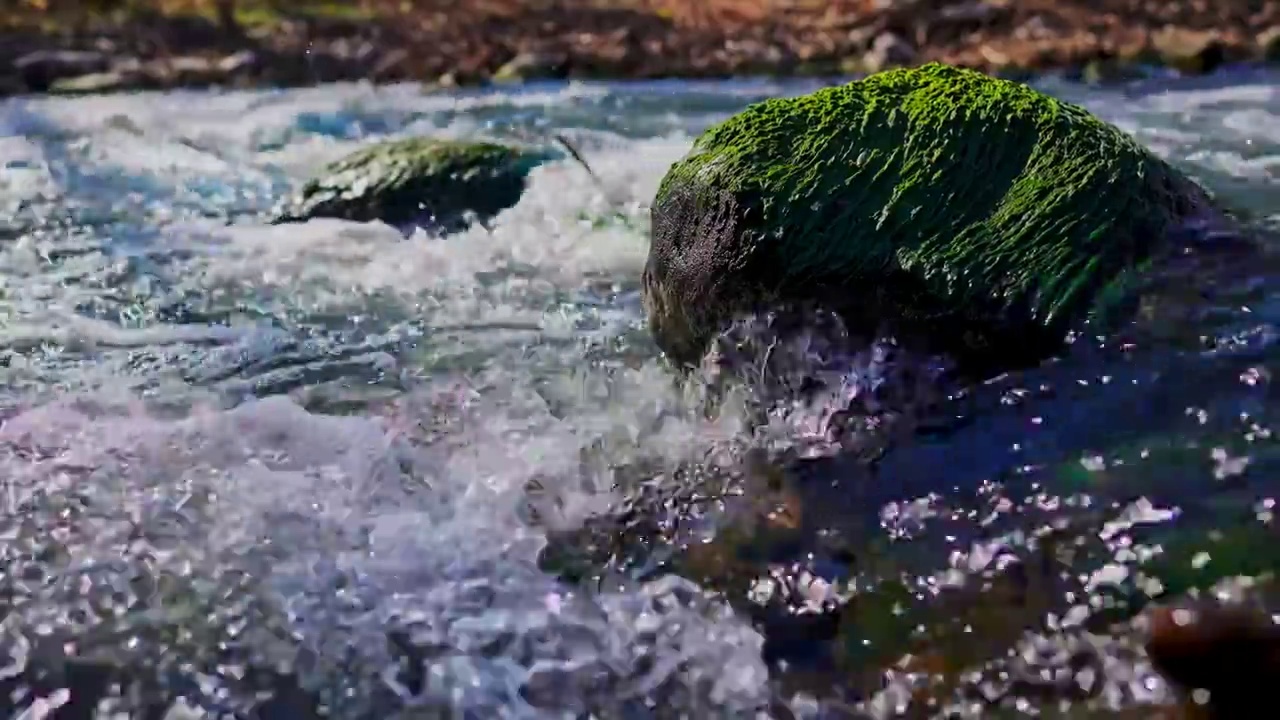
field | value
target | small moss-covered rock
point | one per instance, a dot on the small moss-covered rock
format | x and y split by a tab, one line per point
977	214
440	184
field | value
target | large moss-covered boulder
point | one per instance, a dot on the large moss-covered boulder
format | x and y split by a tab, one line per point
974	215
440	184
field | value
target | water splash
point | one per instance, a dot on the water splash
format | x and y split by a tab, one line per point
196	551
816	391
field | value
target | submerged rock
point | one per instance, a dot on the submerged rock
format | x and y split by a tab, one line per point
971	216
440	184
1222	656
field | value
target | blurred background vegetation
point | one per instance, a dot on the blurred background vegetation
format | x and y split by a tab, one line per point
230	15
233	15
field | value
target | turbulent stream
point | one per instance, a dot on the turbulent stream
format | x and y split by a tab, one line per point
290	471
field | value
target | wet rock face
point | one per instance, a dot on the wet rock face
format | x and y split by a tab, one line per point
1223	657
973	216
439	184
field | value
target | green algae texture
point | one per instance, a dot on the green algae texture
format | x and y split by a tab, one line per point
982	213
434	183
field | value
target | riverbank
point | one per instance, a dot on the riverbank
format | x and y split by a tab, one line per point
186	43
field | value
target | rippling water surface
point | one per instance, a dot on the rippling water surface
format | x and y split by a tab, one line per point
327	468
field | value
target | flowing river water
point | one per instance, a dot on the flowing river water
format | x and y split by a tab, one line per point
329	469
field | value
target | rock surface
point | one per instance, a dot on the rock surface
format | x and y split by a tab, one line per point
974	216
440	184
1223	657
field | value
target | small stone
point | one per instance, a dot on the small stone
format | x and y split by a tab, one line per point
851	66
1269	43
191	70
238	62
68	59
1192	52
124	123
451	80
127	65
971	12
41	69
888	51
388	64
1101	72
181	710
529	66
91	83
861	37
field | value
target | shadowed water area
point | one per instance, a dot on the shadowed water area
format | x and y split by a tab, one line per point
327	469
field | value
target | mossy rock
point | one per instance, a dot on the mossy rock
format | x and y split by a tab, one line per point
974	214
439	184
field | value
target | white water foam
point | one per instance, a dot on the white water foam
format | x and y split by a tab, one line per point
420	509
421	504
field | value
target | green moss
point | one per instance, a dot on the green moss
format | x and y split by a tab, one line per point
971	196
419	180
